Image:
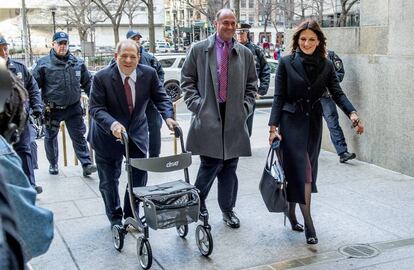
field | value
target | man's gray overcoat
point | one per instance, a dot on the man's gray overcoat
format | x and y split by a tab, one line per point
199	82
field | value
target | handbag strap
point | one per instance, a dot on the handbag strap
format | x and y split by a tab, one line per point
273	156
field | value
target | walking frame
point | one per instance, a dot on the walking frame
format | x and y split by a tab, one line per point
170	204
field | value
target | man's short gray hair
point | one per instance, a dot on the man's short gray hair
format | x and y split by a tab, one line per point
127	43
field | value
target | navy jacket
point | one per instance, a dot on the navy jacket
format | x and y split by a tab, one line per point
34	223
29	83
61	79
150	60
108	104
262	67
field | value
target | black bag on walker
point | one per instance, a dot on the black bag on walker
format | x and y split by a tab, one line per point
273	185
169	204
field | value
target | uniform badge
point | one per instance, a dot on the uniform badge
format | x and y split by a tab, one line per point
19	75
77	73
338	65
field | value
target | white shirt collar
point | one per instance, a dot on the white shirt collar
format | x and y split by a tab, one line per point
132	77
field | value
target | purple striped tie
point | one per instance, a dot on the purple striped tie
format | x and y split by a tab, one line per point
222	95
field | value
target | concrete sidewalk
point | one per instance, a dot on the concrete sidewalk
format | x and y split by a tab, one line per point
357	203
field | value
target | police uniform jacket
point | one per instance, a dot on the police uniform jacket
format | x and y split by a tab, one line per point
150	60
262	67
297	112
61	79
29	83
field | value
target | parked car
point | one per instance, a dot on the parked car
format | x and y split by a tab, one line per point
268	98
74	48
172	64
160	46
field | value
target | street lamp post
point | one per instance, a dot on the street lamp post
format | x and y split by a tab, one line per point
174	29
53	10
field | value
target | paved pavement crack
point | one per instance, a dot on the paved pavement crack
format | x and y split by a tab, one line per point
68	248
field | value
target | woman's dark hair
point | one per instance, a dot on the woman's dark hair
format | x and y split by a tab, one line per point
314	26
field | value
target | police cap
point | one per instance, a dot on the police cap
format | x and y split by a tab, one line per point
3	41
131	34
243	26
60	36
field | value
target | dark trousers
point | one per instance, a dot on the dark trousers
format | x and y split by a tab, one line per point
23	149
109	171
33	146
73	117
330	113
154	129
225	171
249	121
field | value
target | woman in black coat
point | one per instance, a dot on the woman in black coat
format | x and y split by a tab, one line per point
296	117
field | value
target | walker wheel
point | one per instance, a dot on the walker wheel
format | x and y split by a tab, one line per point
204	240
182	230
118	237
144	253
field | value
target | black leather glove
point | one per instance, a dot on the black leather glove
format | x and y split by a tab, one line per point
37	114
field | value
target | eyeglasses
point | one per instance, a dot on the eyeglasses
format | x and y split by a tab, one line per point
239	32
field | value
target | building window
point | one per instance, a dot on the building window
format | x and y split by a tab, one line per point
251	3
243	3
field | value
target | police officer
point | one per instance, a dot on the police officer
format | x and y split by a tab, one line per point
26	230
153	116
61	76
262	68
23	147
330	113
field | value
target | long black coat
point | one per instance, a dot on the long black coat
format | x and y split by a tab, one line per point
297	112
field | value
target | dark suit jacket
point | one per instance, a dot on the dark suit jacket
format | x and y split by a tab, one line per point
108	104
297	111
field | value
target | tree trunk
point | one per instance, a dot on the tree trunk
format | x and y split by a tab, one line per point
321	12
151	25
237	10
115	27
130	17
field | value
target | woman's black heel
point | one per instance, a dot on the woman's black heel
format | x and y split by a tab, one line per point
296	226
310	234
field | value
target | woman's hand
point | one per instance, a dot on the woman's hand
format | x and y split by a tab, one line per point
356	123
274	134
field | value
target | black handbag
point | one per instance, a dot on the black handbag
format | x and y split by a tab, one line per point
273	185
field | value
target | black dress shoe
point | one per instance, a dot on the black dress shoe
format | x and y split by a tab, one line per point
116	222
53	169
310	235
296	226
231	219
89	169
345	156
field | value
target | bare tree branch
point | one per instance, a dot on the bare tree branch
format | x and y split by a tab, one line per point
346	7
113	9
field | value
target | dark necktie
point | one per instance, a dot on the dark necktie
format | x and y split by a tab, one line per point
222	96
128	94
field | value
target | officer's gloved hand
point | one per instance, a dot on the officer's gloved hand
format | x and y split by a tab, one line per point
37	115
